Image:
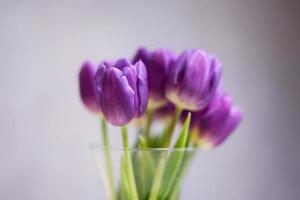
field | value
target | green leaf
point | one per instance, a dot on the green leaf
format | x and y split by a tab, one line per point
175	160
176	186
184	135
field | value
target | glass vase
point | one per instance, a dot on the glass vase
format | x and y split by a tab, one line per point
143	174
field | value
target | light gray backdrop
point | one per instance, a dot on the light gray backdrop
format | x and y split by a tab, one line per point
45	130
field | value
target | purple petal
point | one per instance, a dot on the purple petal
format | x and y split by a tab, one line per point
158	69
116	97
174	77
231	124
121	63
192	80
131	74
214	103
216	69
215	120
142	86
215	126
177	70
87	87
142	54
197	70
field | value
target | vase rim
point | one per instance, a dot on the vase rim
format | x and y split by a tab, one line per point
113	148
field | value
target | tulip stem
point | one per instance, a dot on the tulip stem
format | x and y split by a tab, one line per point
128	161
158	176
104	132
168	133
176	187
107	155
150	114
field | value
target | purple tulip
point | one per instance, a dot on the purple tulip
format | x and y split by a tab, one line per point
142	54
217	121
122	90
158	64
87	87
193	79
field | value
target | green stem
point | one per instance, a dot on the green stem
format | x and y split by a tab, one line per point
167	136
129	171
168	133
150	115
104	132
158	177
107	155
176	186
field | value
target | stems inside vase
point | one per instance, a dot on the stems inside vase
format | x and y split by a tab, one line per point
108	160
167	135
128	168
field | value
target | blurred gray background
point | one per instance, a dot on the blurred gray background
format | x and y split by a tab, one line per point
46	131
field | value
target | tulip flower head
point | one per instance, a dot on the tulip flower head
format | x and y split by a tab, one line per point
122	90
193	79
216	122
87	87
158	65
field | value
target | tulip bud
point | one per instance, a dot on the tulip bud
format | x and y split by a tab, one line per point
158	64
122	90
87	87
216	122
193	79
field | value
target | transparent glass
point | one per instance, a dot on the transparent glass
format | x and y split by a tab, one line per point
144	174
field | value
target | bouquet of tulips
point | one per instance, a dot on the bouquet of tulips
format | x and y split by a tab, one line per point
158	86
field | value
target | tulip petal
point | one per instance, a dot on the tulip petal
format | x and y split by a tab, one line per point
216	126
216	69
157	68
131	74
116	97
178	69
87	87
142	86
121	63
142	54
157	64
231	124
197	70
215	120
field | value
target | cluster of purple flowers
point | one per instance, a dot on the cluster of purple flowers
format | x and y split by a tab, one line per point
161	81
